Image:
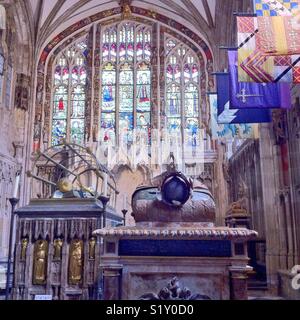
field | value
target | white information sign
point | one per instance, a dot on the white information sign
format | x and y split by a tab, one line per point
42	297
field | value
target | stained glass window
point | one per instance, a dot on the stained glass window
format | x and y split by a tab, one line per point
144	99
108	113
182	91
70	76
125	78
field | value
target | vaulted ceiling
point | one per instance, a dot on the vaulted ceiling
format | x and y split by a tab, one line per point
56	15
213	20
49	11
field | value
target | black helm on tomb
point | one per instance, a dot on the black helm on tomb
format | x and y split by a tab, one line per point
175	189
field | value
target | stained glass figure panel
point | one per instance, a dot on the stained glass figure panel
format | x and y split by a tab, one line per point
126	126
108	124
191	101
108	88
77	131
143	120
58	131
108	98
143	89
174	124
173	101
60	103
126	74
108	121
78	108
126	98
126	89
192	131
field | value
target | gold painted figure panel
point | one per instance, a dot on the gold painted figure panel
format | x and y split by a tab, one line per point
40	262
75	262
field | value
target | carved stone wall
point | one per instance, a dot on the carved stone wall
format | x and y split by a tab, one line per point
245	171
15	102
270	170
8	170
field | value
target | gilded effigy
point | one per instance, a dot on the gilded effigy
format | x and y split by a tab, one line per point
92	248
40	262
57	244
75	262
24	245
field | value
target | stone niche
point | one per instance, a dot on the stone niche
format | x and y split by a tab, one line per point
56	254
175	251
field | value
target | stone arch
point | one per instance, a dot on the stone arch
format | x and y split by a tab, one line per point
196	42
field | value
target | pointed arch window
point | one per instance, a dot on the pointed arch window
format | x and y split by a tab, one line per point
69	95
125	81
182	91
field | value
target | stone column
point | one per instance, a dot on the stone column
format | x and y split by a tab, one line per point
238	283
112	282
268	158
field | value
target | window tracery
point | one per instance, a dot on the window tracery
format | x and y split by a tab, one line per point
125	87
126	81
69	95
182	91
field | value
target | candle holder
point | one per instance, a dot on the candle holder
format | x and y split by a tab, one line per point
104	199
124	211
13	201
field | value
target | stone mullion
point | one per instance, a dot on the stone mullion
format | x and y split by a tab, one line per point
134	66
47	105
154	76
182	112
162	83
89	88
268	169
96	113
117	90
40	93
70	88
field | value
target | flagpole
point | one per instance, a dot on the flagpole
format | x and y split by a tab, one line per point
244	14
228	48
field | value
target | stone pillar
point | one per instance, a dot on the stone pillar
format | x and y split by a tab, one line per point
238	283
268	158
112	282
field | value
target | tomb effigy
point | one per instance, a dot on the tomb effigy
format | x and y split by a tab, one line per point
175	251
56	254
